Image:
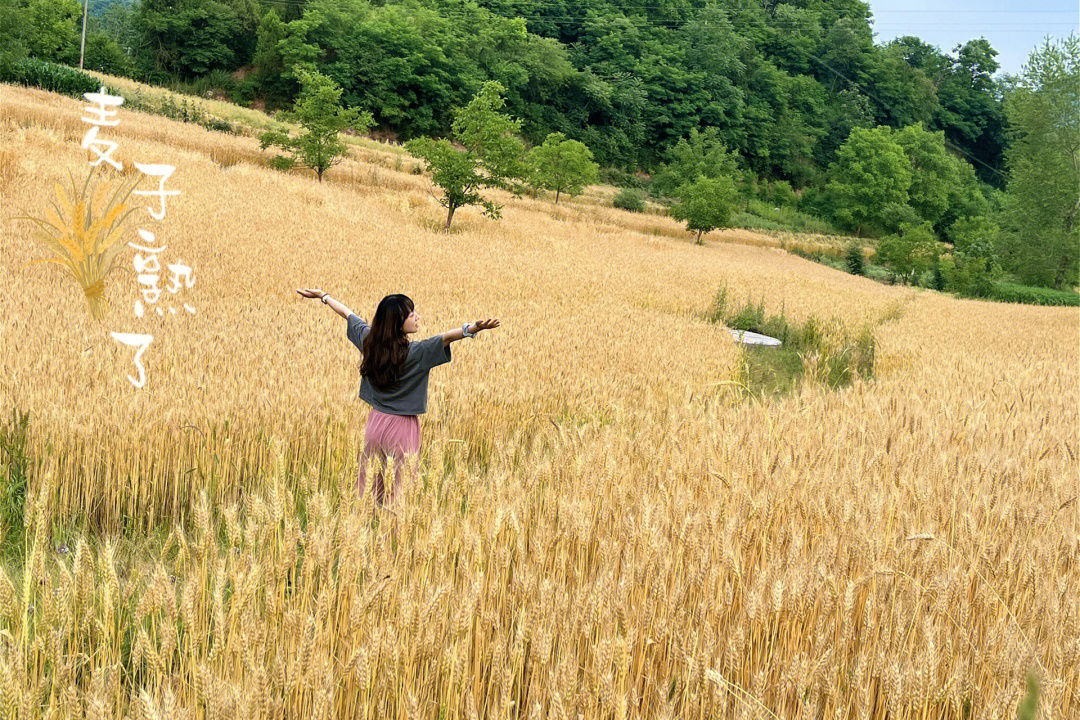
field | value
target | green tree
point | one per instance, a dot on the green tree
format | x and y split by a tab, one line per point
705	204
1043	190
268	58
780	80
905	95
968	198
492	155
318	111
494	137
57	27
14	29
931	166
970	111
562	165
973	266
700	153
869	180
457	172
105	54
188	37
299	49
910	252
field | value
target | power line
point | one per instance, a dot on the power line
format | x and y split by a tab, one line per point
883	106
647	6
461	10
580	21
465	12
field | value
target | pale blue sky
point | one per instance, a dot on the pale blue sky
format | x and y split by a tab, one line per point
1013	28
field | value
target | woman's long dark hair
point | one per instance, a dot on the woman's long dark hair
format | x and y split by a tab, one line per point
386	345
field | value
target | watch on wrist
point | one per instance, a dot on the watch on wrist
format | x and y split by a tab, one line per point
465	331
325	295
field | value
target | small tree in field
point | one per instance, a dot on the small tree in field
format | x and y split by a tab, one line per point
318	111
911	252
456	172
562	165
705	204
493	154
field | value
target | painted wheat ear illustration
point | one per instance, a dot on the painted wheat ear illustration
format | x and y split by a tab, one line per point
86	232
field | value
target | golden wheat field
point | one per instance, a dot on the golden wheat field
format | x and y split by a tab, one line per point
598	527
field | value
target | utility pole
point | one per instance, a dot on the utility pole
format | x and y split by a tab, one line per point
82	48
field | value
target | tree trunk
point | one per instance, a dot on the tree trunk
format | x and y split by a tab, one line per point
698	237
556	197
319	173
449	217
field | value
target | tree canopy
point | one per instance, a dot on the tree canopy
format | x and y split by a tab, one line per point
701	153
705	204
561	165
869	181
1043	158
492	154
783	84
318	111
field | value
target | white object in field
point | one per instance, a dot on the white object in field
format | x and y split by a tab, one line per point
752	338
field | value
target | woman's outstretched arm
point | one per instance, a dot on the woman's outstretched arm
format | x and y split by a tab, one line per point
452	335
337	306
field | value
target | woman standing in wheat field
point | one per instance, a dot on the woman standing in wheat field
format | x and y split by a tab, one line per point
394	379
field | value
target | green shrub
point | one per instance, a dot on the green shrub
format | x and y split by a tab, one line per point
781	193
282	162
976	237
854	261
14	476
760	215
621	178
629	199
749	317
104	54
718	311
877	272
184	110
1016	293
834	262
937	280
911	253
967	277
245	91
218	125
48	76
813	201
219	79
776	370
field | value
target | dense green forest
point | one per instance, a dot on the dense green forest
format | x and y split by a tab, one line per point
900	141
783	82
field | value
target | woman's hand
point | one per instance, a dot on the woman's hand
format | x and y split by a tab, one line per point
488	324
311	293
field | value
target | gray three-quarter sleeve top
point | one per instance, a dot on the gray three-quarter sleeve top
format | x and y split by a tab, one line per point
408	396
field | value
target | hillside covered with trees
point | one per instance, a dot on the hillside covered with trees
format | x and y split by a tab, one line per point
783	82
792	101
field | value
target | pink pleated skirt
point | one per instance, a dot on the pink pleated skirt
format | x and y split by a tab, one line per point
387	436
